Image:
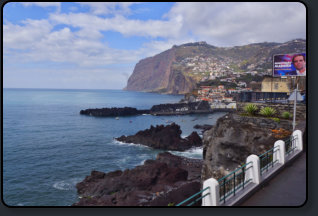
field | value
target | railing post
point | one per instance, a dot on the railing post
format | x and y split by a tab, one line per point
213	199
280	153
254	172
299	139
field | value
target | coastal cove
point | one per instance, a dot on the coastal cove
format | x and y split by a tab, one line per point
48	146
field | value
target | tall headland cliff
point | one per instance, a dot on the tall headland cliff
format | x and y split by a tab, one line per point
178	70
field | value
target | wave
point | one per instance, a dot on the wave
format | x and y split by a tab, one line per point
66	185
129	144
195	153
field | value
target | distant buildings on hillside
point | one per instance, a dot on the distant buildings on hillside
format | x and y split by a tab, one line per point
220	97
217	94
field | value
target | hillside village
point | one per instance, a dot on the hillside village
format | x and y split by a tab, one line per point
214	74
210	68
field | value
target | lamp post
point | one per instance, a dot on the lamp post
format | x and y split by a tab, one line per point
295	103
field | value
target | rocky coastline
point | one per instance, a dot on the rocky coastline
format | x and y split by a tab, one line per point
160	109
161	182
164	137
170	179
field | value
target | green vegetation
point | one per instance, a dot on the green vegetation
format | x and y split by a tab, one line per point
171	204
244	64
276	119
236	68
286	115
251	109
267	111
217	82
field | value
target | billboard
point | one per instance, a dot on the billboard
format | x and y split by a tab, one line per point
289	65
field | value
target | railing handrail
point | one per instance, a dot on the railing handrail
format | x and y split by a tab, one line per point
272	149
194	195
234	171
254	160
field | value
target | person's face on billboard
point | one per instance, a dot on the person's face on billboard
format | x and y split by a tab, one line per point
299	63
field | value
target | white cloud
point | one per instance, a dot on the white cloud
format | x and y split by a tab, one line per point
220	24
228	24
42	4
149	28
60	46
105	8
24	36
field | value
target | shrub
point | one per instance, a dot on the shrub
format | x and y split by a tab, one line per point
250	109
267	111
171	204
276	119
286	115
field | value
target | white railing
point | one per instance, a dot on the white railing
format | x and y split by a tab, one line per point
254	176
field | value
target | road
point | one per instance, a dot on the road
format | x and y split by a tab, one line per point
288	188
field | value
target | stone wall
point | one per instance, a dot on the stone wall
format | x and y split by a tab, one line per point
280	108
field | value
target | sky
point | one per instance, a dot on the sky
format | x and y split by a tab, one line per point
96	45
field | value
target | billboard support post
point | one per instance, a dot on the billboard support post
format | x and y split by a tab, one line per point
295	103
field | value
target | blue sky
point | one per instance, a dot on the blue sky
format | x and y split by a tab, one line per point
95	45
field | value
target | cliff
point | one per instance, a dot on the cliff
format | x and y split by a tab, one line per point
157	74
179	69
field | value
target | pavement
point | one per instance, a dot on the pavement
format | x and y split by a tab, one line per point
288	188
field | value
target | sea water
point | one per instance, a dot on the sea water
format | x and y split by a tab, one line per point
48	146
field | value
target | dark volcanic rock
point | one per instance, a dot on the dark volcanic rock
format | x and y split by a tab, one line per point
227	145
164	137
204	127
181	107
168	179
126	111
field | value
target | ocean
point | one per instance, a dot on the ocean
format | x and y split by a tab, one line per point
48	146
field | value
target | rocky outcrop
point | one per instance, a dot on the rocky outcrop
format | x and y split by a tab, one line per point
167	180
227	145
181	108
105	112
164	137
161	109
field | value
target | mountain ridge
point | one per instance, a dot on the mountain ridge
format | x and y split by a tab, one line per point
179	69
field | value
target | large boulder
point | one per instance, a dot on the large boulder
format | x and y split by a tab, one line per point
164	137
227	145
168	179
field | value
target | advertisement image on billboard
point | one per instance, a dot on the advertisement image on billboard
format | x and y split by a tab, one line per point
289	64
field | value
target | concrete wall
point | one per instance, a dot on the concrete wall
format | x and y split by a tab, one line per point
278	84
274	84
